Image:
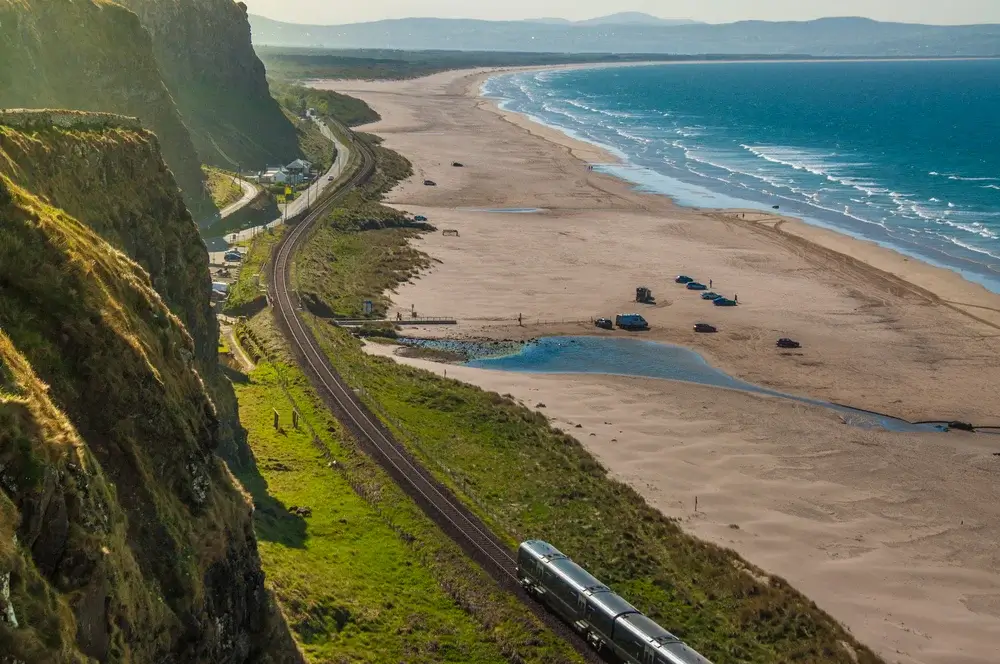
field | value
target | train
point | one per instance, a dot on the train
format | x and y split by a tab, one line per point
601	616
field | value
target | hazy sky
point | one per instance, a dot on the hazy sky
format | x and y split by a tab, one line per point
714	11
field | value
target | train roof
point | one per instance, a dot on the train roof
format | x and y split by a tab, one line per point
643	626
577	576
672	648
541	549
612	603
681	653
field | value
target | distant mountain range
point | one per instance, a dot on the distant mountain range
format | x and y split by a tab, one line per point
621	18
641	33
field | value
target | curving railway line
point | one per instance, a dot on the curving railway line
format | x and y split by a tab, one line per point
437	501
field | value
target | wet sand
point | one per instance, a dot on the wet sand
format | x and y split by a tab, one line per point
896	535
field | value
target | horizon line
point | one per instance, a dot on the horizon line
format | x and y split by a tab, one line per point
578	22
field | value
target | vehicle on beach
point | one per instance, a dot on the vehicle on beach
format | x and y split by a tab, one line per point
788	343
457	164
430	183
681	279
604	323
644	295
710	296
601	616
694	285
631	322
705	328
420	217
724	302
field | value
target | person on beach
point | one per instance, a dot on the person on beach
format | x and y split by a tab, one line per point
709	284
736	298
519	321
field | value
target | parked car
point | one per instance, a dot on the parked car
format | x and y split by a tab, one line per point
788	343
420	217
724	302
457	164
681	279
233	256
694	285
631	322
705	327
710	296
604	323
430	183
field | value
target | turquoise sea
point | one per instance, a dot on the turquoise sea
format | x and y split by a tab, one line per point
903	153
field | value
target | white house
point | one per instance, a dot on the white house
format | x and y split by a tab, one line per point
276	175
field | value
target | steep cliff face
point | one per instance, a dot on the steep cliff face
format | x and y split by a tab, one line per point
114	181
205	53
123	537
94	55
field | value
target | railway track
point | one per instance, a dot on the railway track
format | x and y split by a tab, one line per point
436	500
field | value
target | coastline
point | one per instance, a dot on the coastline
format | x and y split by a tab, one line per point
893	534
945	283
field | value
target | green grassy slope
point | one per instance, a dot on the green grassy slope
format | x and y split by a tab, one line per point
349	110
363	575
114	181
133	542
221	187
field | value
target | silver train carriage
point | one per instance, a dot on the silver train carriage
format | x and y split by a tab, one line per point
601	616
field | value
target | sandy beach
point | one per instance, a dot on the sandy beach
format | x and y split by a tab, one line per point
896	535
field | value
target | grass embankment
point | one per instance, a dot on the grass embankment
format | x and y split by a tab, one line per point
362	574
221	186
361	249
348	110
246	294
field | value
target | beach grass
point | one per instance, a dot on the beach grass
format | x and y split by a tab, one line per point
361	250
534	481
361	573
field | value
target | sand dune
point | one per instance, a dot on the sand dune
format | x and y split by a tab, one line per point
896	535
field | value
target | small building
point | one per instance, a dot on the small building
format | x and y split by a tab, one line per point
299	167
274	175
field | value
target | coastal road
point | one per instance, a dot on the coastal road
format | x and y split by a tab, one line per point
438	502
309	197
250	192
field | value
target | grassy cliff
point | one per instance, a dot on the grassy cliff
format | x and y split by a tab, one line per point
113	180
123	537
94	55
204	52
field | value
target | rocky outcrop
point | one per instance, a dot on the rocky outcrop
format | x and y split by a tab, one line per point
204	51
123	537
94	55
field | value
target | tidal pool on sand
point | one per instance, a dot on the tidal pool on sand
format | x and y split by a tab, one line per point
649	359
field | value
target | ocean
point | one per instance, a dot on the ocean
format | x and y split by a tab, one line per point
903	153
